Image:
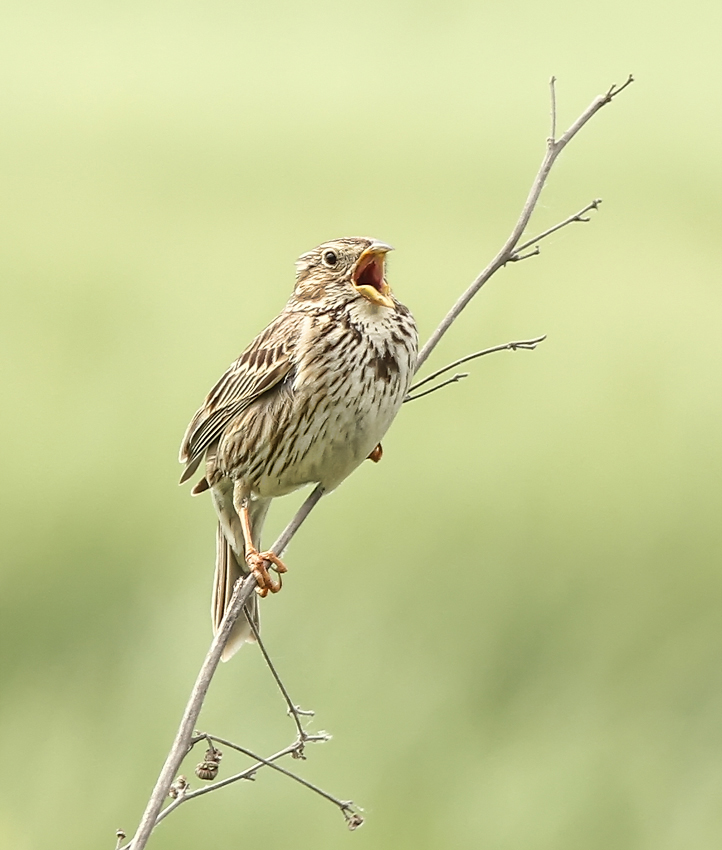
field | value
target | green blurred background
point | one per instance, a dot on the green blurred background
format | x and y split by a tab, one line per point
512	624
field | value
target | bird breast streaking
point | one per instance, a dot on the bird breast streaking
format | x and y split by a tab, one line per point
307	401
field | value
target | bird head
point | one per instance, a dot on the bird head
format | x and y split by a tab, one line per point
344	269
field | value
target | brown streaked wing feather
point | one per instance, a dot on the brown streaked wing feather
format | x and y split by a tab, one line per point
263	365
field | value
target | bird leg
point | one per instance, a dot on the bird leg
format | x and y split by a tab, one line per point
256	560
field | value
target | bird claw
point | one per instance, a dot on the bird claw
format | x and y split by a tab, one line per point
257	563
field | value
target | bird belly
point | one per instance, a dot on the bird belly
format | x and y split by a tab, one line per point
327	446
325	422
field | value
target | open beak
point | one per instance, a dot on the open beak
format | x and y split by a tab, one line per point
368	276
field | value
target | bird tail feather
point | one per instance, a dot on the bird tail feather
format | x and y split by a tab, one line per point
229	568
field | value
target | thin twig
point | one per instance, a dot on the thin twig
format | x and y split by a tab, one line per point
554	148
578	216
453	380
344	805
295	711
523	345
189	795
248	773
347	808
553	95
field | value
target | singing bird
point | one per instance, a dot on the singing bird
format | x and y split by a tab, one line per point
307	401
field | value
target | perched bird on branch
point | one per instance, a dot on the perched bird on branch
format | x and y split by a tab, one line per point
307	401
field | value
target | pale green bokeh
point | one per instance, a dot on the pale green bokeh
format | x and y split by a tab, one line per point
512	624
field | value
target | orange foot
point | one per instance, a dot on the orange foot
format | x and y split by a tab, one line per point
256	561
376	454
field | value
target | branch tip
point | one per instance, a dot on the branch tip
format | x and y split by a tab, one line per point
553	94
615	89
298	710
353	820
320	737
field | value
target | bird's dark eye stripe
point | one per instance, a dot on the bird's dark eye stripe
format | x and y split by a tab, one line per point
330	258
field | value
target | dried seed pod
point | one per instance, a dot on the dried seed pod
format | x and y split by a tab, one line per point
178	788
208	768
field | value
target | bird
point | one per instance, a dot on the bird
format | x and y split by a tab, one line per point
306	403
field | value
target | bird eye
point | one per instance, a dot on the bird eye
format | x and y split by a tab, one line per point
330	258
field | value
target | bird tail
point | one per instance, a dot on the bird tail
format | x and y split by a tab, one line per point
229	568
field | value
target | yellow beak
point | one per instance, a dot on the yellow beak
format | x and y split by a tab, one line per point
369	275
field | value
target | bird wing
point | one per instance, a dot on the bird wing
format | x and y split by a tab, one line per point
262	366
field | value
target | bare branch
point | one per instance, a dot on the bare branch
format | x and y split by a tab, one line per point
284	539
523	345
293	710
578	216
454	380
346	806
186	794
181	744
249	773
554	148
553	94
